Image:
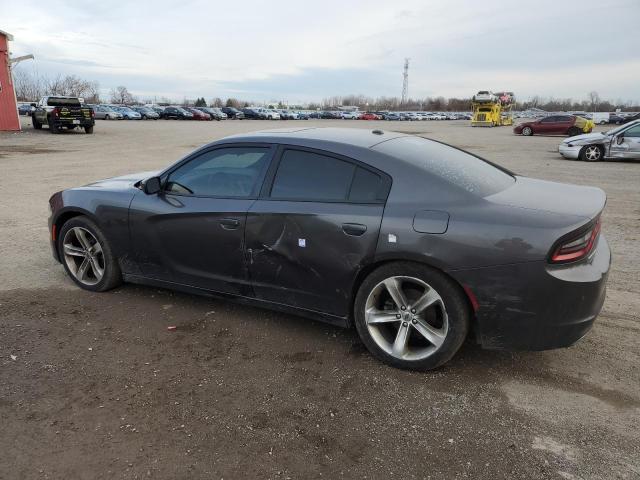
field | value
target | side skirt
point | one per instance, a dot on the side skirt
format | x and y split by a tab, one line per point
254	302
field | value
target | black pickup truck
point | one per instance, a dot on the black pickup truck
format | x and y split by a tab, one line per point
62	112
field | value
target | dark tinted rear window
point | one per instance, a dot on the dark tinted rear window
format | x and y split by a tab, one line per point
368	187
63	102
310	176
459	168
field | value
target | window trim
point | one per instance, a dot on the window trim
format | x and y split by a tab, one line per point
265	192
164	176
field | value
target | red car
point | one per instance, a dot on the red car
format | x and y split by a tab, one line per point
369	116
570	125
197	114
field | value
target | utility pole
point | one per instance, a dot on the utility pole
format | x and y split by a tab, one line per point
405	82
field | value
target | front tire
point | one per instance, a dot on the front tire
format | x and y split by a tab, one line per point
527	131
592	153
411	316
36	124
87	256
88	129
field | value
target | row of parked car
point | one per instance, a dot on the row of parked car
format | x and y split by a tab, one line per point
155	112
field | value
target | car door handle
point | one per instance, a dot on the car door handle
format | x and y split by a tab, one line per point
354	229
230	223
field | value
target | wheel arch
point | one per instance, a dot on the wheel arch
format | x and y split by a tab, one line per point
367	269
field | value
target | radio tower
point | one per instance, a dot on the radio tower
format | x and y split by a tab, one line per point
405	82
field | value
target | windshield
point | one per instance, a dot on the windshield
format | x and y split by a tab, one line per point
455	166
613	131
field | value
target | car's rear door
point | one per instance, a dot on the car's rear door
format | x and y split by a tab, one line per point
192	232
546	125
315	225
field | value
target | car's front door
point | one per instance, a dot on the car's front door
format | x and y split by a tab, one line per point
546	125
315	225
192	232
626	144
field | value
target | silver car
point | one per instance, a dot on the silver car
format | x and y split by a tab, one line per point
620	142
102	112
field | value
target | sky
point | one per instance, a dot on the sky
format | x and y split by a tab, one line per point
305	50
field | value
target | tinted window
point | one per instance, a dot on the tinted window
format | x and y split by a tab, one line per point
63	102
226	172
459	168
633	132
310	176
548	120
368	187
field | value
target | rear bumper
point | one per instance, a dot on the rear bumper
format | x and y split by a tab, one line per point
537	306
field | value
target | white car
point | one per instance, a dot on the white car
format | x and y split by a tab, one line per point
350	115
620	142
485	96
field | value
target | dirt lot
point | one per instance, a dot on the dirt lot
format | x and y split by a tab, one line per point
95	386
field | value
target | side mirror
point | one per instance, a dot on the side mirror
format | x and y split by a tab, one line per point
619	139
151	186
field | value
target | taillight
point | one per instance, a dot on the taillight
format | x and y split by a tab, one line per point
577	247
56	112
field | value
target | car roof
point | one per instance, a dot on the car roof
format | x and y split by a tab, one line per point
358	137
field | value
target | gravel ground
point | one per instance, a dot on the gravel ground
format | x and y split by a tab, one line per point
95	386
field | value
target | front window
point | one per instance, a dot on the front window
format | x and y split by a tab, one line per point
224	172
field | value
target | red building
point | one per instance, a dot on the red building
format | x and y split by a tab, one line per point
9	119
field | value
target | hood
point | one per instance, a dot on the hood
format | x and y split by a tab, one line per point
586	137
552	197
122	182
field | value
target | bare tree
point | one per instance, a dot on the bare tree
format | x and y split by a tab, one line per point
594	98
121	95
217	102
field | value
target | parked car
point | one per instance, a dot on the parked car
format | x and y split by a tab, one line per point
233	113
288	114
440	243
158	109
60	112
393	116
315	114
555	125
350	115
176	113
214	113
368	116
198	114
127	113
104	112
631	118
25	109
615	119
303	115
253	114
146	112
269	113
622	142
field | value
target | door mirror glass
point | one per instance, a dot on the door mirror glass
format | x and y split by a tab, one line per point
619	139
151	185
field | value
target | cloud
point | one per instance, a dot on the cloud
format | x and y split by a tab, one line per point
299	51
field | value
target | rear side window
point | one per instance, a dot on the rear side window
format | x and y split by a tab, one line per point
454	166
63	102
309	176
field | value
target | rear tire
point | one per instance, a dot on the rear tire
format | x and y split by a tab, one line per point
69	241
428	333
53	127
573	131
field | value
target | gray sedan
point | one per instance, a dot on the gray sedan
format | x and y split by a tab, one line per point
414	243
103	112
618	143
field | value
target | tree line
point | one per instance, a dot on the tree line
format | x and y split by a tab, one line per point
30	87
